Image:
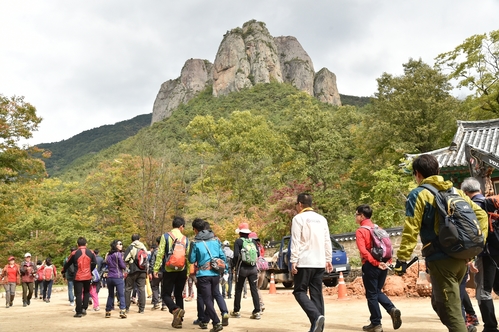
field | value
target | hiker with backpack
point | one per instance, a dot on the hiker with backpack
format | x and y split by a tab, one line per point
38	280
172	256
245	258
137	261
376	254
49	274
28	275
423	218
229	255
261	266
157	300
486	262
206	251
311	256
83	261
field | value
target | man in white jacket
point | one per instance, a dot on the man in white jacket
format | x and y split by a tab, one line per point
311	255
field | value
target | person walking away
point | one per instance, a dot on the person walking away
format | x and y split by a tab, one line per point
245	256
422	218
311	255
486	263
115	278
70	276
49	274
137	276
100	262
374	274
155	282
84	262
38	280
204	249
28	273
93	289
229	255
10	278
262	275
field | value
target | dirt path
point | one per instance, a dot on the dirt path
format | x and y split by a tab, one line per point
282	314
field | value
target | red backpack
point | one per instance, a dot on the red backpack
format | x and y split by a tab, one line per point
48	273
39	274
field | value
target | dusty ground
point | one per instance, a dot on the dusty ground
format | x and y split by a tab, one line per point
282	314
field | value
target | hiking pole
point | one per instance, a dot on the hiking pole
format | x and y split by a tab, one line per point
412	261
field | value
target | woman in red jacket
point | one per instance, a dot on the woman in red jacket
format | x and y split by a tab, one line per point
10	277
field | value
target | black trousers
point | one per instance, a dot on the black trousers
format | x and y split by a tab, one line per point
310	279
81	287
173	282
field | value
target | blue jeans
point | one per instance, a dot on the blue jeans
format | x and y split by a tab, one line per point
47	289
374	279
117	284
71	291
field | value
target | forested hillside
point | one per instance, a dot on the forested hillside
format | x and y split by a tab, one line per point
90	142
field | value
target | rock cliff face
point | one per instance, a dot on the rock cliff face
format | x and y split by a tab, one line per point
245	57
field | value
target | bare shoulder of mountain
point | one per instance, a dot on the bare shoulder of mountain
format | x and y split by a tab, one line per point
247	56
91	141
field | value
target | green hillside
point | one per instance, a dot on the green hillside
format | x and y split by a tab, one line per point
90	142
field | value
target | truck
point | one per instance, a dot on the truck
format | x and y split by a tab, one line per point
280	267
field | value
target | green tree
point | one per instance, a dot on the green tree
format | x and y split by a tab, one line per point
18	120
412	113
475	65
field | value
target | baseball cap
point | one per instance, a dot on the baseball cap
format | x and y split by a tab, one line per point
27	254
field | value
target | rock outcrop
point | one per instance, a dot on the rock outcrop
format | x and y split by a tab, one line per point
245	57
194	77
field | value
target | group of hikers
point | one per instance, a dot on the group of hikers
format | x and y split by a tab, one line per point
176	263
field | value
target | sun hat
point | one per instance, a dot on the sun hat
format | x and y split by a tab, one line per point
253	235
243	228
12	258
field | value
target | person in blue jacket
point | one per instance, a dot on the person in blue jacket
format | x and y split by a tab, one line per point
205	247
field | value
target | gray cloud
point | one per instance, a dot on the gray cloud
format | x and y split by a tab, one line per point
85	64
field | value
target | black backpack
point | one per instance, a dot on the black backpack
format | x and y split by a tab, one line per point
460	235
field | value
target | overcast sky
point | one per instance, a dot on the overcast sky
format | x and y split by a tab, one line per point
84	64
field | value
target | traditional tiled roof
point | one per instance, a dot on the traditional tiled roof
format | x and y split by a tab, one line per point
480	134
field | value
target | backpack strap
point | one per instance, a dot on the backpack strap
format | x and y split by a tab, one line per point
431	188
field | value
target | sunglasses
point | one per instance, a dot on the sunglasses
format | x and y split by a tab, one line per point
119	244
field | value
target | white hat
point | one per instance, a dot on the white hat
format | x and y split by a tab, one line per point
27	254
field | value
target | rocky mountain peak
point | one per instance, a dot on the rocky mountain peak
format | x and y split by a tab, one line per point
247	56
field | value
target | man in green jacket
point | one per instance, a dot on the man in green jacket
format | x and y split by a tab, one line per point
422	219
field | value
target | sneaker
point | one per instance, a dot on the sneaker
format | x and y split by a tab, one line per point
164	308
318	324
372	328
108	314
141	311
235	314
217	327
225	319
28	302
178	315
156	307
72	304
122	313
188	299
256	315
25	304
196	322
471	328
203	326
78	316
96	309
84	312
396	320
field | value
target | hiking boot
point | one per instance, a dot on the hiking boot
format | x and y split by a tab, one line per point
256	315
318	324
203	326
78	315
25	304
108	314
164	308
156	307
225	319
235	314
122	313
372	328
28	302
84	312
217	327
178	315
396	320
